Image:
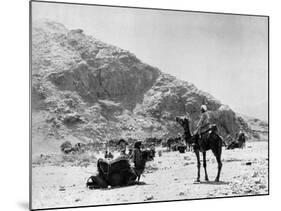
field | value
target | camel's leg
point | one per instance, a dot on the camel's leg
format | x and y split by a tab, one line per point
198	164
218	157
205	166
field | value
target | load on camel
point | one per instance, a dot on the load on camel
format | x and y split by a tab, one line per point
118	172
122	145
175	144
67	147
238	142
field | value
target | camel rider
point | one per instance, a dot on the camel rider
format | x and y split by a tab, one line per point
139	165
136	155
122	146
204	122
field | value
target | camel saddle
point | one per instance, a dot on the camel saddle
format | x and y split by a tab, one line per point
118	165
204	136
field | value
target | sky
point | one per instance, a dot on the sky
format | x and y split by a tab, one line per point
224	55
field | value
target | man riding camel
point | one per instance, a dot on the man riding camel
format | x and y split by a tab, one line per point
204	122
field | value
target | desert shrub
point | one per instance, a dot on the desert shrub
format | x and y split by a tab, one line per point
65	146
69	158
41	160
256	136
78	159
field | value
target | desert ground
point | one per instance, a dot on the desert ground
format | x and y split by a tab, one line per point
170	176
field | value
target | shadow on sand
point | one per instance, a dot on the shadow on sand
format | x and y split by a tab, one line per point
118	187
212	183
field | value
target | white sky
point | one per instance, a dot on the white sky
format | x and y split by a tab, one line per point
225	55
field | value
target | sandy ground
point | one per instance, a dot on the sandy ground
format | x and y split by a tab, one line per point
169	177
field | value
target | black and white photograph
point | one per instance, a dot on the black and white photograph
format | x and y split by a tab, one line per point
139	105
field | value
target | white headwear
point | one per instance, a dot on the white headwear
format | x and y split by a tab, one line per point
204	107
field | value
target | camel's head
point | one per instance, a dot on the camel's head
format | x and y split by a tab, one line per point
183	121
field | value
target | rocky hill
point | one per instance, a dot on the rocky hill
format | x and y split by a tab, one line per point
84	90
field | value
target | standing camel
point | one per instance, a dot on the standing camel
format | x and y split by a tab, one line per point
209	140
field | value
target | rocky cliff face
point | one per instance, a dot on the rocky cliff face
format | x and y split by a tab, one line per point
86	90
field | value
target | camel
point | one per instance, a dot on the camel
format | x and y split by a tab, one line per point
209	140
117	172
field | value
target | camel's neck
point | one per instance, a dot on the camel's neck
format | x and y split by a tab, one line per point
187	130
185	125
